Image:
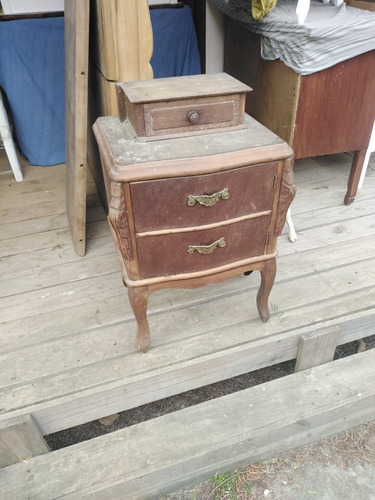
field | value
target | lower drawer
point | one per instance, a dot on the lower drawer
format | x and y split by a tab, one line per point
194	251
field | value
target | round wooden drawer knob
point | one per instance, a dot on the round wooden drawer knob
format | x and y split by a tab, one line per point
193	117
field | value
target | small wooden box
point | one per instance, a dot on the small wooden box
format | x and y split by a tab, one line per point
180	106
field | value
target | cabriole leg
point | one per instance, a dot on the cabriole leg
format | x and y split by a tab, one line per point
138	297
268	274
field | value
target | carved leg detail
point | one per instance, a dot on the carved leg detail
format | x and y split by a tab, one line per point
138	297
354	176
268	274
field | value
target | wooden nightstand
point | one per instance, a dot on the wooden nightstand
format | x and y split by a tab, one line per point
196	208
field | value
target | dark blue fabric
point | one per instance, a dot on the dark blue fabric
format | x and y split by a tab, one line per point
32	76
175	43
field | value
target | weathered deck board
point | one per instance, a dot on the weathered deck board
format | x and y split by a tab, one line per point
108	385
50	237
334	285
163	454
67	333
304	266
61	254
20	439
311	288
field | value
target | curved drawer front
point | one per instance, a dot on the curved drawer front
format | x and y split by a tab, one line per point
203	199
194	251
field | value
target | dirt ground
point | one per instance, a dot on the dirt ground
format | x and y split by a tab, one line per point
341	467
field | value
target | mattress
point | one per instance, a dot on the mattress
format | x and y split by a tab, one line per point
329	35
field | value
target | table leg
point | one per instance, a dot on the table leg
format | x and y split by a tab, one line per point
138	297
268	274
354	176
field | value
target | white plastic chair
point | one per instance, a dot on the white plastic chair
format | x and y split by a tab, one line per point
7	138
371	149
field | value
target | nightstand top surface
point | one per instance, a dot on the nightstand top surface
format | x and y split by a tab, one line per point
128	157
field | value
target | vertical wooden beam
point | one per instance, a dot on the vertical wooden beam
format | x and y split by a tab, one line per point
76	87
121	49
20	439
121	44
317	348
122	40
135	40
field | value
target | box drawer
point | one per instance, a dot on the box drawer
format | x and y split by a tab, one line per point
203	199
173	107
194	251
186	116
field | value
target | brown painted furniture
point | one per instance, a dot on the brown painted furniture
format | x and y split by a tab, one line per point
175	107
327	112
196	209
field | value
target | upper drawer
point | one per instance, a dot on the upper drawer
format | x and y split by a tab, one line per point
203	199
192	115
178	106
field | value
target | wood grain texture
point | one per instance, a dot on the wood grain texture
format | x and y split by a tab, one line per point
336	109
173	107
143	461
275	87
215	243
185	87
200	154
323	113
122	41
121	44
20	440
76	92
317	348
326	112
67	346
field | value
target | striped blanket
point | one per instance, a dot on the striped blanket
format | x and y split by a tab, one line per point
329	35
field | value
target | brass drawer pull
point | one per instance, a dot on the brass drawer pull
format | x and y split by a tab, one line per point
208	200
193	117
206	249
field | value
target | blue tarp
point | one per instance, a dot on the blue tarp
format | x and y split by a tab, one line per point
175	43
32	74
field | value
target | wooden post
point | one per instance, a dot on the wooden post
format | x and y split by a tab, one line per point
121	47
76	86
122	42
317	348
20	439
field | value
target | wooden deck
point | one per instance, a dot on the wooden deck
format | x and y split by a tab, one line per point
67	337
